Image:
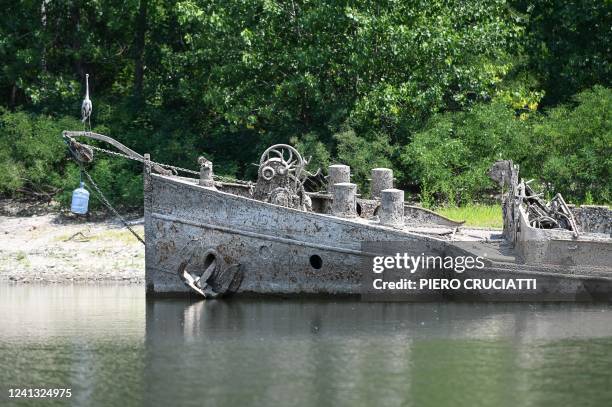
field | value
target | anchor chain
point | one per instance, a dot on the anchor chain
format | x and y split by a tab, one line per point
129	157
99	193
110	207
103	198
168	166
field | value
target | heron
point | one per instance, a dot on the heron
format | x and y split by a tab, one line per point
87	106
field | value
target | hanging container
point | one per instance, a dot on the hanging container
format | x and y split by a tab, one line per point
80	200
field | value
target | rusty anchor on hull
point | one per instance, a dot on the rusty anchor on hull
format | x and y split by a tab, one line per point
217	278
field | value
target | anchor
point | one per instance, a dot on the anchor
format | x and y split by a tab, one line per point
217	278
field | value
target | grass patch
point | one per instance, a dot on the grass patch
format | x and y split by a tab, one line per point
122	235
489	216
22	258
117	234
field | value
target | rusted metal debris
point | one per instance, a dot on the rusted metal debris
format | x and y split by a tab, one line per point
541	215
552	215
281	178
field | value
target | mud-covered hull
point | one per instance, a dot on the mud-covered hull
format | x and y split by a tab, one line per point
282	251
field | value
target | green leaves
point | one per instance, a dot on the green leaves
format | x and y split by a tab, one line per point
568	46
566	150
32	150
578	158
362	154
406	84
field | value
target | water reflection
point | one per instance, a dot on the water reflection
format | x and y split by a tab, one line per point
113	347
88	338
351	353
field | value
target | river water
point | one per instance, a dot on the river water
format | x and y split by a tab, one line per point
111	346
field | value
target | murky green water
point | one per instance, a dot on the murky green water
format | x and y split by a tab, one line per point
112	347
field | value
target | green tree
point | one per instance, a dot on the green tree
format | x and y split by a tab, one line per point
568	45
451	156
573	147
354	81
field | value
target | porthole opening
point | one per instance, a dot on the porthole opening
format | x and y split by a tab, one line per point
316	262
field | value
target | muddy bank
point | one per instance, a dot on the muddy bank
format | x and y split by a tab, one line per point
54	248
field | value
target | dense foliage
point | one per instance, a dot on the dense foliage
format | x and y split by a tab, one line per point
34	161
570	145
435	89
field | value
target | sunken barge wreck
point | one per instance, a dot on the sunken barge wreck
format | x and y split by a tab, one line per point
293	233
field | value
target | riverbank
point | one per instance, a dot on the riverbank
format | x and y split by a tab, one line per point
56	248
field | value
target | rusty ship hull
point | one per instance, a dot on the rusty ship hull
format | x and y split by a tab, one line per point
293	232
284	251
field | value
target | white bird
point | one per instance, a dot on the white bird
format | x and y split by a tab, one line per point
87	106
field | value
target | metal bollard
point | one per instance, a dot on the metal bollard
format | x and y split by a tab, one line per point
337	173
206	172
391	212
345	204
382	178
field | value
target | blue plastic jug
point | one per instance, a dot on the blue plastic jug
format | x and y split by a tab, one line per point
80	200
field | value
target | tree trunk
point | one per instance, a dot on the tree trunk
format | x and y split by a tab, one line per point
43	22
13	96
139	47
76	42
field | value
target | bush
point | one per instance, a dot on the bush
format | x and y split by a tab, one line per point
567	45
34	162
573	147
32	153
450	158
567	149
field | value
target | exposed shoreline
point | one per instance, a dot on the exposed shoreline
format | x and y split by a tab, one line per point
53	248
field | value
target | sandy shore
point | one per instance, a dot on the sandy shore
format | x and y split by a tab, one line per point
52	248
